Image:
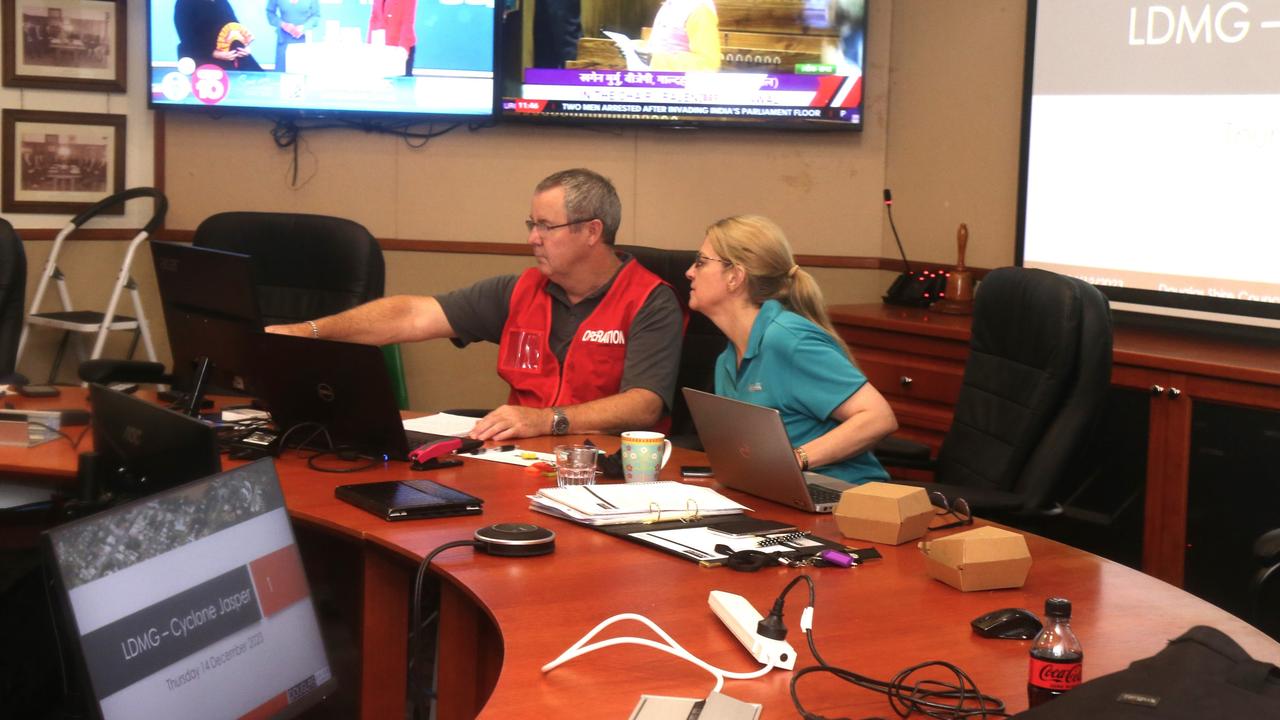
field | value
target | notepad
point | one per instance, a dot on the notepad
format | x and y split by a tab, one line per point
442	424
633	502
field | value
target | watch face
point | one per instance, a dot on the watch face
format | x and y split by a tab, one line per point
560	425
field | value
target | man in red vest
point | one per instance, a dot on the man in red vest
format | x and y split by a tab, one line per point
588	339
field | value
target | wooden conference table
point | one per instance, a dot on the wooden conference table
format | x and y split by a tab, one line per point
503	618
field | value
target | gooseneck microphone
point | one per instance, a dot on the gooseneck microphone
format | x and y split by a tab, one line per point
888	207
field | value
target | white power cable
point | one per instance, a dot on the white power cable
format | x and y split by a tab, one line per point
672	647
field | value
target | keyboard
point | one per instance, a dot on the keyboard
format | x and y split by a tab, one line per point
823	495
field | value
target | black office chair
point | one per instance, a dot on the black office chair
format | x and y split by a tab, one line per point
1037	378
703	341
13	296
1265	586
307	266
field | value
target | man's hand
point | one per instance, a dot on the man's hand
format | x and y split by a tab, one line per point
511	421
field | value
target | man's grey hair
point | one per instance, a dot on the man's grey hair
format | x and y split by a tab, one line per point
587	195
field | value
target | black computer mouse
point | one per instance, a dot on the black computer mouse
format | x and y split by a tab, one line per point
1007	624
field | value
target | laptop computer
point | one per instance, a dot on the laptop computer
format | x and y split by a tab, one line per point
748	448
343	387
211	311
409	499
144	448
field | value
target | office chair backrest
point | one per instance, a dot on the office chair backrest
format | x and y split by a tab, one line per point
307	266
1037	377
13	295
703	341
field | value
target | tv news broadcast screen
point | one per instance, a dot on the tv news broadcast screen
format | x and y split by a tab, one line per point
782	63
193	603
394	57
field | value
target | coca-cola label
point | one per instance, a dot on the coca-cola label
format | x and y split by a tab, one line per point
1054	676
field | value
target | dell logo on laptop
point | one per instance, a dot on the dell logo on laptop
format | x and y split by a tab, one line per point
133	435
325	392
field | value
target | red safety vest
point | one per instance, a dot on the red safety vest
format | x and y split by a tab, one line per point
594	362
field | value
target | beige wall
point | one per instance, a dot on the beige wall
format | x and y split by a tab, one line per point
943	98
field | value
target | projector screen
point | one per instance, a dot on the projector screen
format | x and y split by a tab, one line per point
1150	154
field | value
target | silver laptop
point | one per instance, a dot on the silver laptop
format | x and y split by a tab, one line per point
748	449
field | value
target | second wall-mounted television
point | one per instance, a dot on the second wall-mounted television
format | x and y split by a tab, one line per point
325	57
780	63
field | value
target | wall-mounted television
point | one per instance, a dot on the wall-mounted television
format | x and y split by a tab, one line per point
323	57
1150	147
781	63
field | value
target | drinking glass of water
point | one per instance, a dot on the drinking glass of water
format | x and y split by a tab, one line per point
575	465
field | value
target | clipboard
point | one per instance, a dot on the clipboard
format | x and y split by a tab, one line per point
700	549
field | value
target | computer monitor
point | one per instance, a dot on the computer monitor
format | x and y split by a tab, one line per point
192	603
144	448
210	311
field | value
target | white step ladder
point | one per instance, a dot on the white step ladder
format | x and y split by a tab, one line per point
98	323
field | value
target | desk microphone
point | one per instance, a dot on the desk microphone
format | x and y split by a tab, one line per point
515	540
911	288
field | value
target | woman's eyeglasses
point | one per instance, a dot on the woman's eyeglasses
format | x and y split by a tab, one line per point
958	508
701	261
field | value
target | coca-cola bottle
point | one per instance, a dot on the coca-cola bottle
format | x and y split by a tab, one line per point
1056	656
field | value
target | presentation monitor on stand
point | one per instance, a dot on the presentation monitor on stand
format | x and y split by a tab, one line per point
191	603
143	448
211	313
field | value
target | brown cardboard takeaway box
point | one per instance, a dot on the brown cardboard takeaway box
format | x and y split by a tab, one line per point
984	558
884	513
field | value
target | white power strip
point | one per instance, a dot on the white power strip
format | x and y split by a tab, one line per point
741	618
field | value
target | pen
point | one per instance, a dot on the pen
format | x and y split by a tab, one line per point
500	448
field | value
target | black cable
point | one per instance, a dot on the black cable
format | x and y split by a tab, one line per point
928	697
311	461
320	428
416	624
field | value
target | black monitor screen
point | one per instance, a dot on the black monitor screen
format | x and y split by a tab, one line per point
393	57
193	603
145	448
210	311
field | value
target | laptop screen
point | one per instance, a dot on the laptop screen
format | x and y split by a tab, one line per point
210	311
144	447
192	603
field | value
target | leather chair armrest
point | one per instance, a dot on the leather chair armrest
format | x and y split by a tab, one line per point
900	452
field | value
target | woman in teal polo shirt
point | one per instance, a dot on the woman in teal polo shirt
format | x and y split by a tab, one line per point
783	352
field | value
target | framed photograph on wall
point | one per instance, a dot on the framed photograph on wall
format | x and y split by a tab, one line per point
56	162
64	44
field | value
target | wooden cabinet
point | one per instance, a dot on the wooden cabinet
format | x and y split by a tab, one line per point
916	359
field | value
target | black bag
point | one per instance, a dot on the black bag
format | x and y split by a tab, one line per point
1202	674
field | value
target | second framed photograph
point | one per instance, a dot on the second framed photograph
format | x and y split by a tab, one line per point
64	44
55	162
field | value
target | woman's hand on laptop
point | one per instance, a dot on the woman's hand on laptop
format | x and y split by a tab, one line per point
511	421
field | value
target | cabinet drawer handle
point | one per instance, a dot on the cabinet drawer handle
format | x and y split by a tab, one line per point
905	381
1157	389
1174	392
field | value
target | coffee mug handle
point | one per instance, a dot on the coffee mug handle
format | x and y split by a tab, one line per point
666	453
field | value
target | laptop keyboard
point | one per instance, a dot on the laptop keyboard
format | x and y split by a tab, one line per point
823	495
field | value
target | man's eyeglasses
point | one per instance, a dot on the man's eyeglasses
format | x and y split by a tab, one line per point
959	509
543	228
702	260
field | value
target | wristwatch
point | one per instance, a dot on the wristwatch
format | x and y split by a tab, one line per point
559	422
